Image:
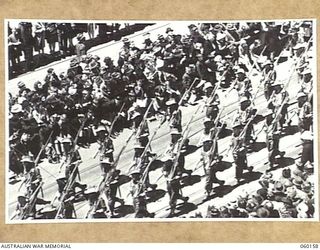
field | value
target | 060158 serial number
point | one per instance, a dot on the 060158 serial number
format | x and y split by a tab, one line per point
308	245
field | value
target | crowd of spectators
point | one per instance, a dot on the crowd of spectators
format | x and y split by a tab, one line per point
34	44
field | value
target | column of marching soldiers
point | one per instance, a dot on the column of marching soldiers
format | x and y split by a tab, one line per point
103	198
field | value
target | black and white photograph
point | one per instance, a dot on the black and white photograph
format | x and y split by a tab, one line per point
135	121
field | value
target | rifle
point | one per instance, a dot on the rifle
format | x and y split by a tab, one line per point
68	185
184	137
75	142
41	150
31	203
143	122
38	158
287	83
147	147
145	174
110	130
104	181
186	92
242	134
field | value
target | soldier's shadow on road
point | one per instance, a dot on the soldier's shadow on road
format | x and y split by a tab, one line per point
155	195
190	180
291	130
155	165
284	162
221	191
124	179
258	119
225	133
191	149
185	208
251	176
124	210
223	166
13	181
257	146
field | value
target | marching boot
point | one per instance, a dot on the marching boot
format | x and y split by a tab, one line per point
121	202
153	186
216	180
185	199
172	212
221	182
208	193
249	169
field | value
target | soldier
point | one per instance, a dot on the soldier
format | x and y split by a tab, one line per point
210	165
174	115
138	195
268	78
245	115
239	151
33	180
111	186
105	143
307	84
98	208
307	150
272	139
208	126
305	115
278	102
173	149
67	204
243	84
28	163
212	107
188	77
142	163
26	206
65	185
208	89
139	125
73	159
207	131
174	187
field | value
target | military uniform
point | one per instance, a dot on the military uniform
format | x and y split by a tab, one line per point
173	149
138	195
142	164
210	165
212	107
268	77
307	149
244	116
106	149
239	152
174	190
111	187
279	100
33	179
243	84
175	120
72	169
272	140
305	116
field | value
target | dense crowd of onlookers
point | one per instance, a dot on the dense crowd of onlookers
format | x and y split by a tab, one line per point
34	44
290	195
